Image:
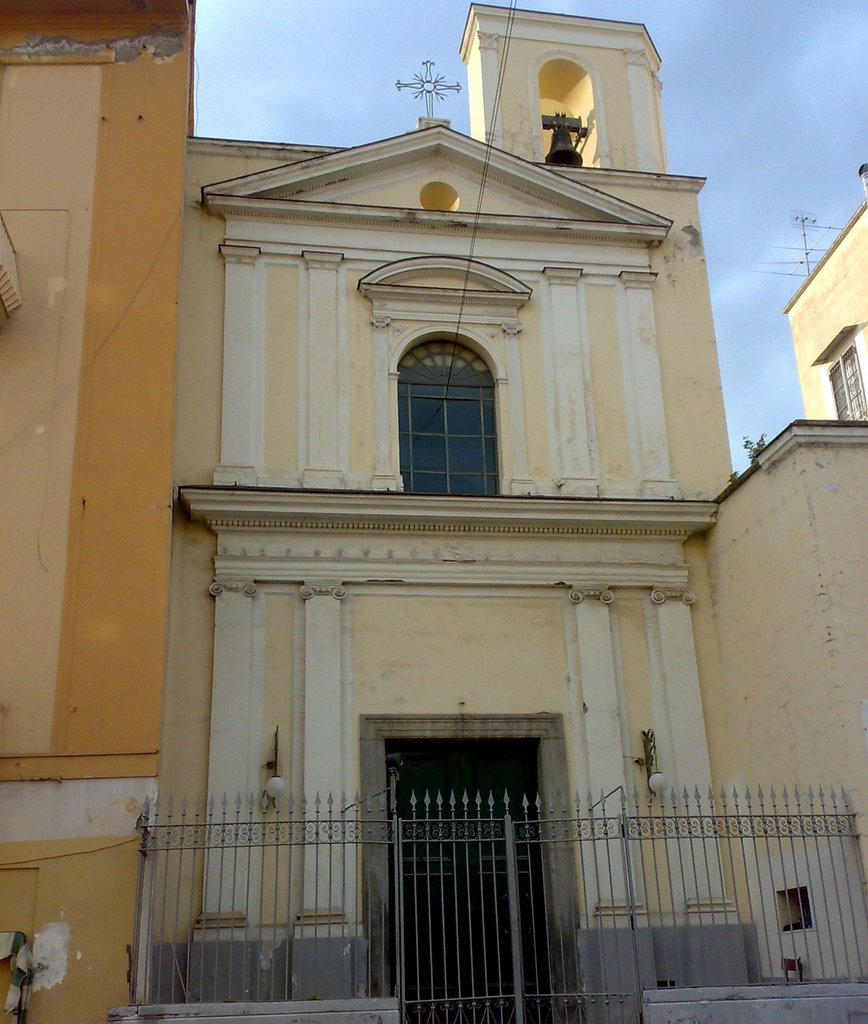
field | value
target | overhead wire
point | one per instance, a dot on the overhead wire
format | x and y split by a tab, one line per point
483	180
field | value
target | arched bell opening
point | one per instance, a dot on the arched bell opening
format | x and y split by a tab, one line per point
566	88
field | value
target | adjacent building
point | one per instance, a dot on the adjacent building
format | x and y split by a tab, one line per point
93	120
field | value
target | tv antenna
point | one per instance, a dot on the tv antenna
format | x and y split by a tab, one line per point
803	221
808	250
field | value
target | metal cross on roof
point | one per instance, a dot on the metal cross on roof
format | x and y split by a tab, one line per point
429	86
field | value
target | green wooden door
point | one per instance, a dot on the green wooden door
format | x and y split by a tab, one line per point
457	950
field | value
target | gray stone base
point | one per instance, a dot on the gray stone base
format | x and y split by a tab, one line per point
336	1011
798	1003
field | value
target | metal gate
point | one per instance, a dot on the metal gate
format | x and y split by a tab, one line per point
488	921
555	915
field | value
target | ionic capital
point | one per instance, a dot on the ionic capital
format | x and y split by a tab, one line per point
381	321
603	594
659	595
512	328
487	40
322	590
219	587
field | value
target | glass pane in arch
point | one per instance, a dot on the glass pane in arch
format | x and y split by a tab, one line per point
446	424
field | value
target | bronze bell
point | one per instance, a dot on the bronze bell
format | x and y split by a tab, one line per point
563	149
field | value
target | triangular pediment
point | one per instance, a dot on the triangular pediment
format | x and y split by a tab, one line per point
375	180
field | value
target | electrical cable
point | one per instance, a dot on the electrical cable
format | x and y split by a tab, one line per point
501	74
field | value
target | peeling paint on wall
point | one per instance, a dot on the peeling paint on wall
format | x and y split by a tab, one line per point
161	44
50	955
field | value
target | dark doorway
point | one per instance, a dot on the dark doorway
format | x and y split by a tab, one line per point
465	935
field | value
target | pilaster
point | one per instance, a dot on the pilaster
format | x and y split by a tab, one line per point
599	688
326	372
323	733
677	698
234	751
643	387
640	82
574	442
490	74
243	363
327	898
385	478
520	482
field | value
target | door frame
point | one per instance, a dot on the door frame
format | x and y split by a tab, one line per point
375	730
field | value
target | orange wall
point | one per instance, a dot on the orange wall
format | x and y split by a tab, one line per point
109	638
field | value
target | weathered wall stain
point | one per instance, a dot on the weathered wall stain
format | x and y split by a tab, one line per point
50	955
160	43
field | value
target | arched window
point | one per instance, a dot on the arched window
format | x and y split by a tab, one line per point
446	421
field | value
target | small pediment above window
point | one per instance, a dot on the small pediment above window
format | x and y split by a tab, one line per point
10	291
445	280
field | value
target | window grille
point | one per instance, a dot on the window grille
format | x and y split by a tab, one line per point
846	379
446	423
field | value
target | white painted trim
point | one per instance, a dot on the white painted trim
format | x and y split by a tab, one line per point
273	190
243	359
470	336
643	109
805	433
519	479
568	372
240	508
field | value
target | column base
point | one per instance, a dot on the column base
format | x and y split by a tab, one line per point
520	486
323	479
617	913
228	475
384	482
579	487
660	489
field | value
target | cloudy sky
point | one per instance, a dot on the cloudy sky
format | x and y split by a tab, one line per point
768	99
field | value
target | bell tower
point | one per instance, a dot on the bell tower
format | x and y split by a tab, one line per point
602	73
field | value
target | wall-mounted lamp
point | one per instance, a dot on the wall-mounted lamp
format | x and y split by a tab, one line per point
656	778
275	787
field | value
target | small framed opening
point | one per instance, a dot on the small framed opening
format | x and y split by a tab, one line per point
438	195
794	909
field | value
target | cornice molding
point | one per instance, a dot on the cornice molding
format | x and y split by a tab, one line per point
390	217
239	509
281	186
603	177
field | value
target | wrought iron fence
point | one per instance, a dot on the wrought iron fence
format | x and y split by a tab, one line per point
478	911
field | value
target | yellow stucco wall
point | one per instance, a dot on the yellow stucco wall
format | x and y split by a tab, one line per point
790	605
87	370
78	898
834	297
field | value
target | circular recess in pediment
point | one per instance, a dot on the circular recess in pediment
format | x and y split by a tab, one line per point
438	195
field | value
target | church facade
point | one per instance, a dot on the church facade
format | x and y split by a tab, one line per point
450	439
357	560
